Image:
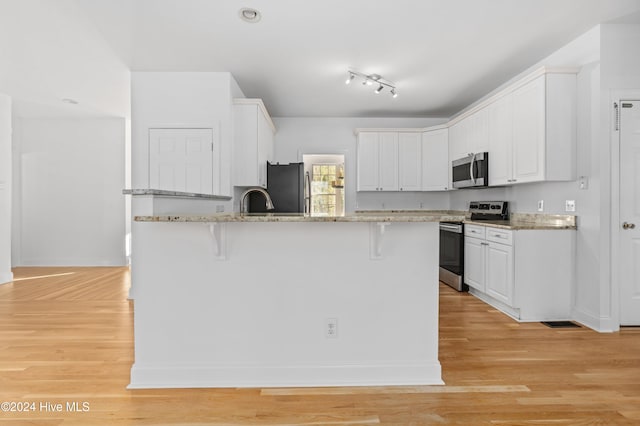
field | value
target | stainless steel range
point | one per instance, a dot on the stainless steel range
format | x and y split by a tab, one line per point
452	240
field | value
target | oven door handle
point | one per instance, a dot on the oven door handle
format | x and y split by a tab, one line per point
452	228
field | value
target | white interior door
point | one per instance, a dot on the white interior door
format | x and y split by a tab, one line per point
181	160
630	213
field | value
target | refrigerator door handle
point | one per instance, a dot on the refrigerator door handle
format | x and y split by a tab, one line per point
307	187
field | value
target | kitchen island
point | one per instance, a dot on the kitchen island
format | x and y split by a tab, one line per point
235	300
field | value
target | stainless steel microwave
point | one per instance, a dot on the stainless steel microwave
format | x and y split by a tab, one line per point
471	171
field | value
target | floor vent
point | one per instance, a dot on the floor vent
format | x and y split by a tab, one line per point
560	324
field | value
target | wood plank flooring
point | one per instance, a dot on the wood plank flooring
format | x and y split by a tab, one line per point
66	337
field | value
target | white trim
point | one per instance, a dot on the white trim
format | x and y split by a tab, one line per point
483	103
401	129
144	376
618	96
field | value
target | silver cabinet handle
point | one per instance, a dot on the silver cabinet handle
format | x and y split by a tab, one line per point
626	225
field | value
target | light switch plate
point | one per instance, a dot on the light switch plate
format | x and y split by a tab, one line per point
570	205
583	182
540	205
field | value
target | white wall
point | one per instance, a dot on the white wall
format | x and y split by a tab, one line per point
620	69
5	189
183	99
68	179
318	135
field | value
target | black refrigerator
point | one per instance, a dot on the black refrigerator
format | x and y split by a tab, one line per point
286	185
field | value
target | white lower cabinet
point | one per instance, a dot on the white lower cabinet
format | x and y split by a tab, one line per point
526	274
488	265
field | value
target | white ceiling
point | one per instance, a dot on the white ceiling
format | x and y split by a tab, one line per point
442	55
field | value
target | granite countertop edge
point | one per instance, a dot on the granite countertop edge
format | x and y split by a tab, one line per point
174	194
356	217
517	222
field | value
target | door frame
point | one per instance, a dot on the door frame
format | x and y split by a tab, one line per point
616	96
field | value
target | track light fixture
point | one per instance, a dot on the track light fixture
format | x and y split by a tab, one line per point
370	79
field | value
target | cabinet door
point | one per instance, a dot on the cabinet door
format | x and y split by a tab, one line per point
474	263
435	160
478	132
458	141
368	164
500	124
410	161
388	158
181	160
499	281
529	132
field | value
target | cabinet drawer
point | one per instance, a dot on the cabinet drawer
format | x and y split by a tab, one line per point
497	235
474	231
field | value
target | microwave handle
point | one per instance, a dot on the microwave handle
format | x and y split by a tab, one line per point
471	172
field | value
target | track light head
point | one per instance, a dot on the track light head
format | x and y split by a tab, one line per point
379	89
394	94
351	77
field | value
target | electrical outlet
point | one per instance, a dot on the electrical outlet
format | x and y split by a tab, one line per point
540	205
570	205
219	209
331	328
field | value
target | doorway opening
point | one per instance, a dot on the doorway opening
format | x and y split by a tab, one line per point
326	182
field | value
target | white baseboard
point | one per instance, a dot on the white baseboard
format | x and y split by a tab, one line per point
6	277
203	376
599	324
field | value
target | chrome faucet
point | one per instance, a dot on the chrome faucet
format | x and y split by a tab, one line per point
269	203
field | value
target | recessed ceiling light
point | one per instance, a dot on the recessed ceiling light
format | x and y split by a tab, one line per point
248	14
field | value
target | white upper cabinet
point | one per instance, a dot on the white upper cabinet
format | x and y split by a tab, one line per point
544	129
388	170
469	135
532	132
377	168
500	124
529	132
410	161
253	142
435	160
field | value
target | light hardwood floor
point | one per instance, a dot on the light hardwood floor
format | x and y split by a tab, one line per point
66	335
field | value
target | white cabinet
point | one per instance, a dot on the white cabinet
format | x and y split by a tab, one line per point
435	160
526	273
500	123
470	135
403	160
410	161
499	275
488	264
181	160
377	162
532	132
388	162
253	142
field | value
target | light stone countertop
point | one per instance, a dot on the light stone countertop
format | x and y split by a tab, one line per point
518	221
377	216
